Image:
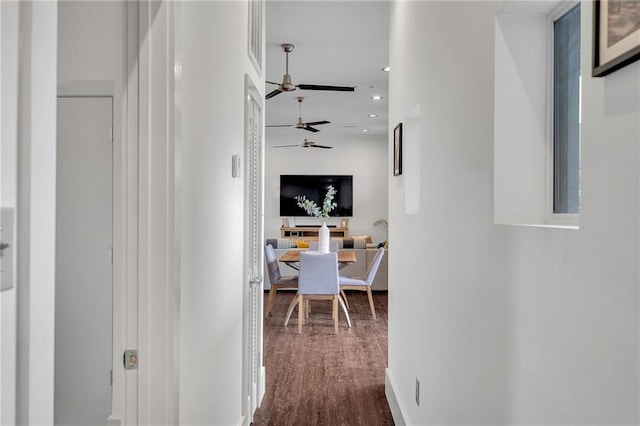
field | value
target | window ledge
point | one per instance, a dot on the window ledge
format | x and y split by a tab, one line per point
541	225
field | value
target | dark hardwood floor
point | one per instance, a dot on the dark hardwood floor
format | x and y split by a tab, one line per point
320	378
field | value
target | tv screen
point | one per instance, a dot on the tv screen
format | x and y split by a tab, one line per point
314	187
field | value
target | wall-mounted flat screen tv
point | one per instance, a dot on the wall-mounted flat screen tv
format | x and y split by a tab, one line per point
314	187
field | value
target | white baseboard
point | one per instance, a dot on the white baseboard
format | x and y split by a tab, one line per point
263	386
114	421
394	404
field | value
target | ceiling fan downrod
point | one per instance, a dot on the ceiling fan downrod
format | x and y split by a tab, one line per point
287	86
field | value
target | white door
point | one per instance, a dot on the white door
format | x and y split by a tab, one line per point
253	257
84	276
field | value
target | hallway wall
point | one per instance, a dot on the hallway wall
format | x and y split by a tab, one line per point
212	52
518	325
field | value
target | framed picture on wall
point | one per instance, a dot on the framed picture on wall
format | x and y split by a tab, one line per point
616	35
397	150
285	222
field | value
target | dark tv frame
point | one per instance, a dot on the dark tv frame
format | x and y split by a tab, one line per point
314	187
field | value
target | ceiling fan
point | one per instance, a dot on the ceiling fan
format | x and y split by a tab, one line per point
305	144
301	124
288	86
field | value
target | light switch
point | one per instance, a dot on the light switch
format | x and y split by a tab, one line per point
235	166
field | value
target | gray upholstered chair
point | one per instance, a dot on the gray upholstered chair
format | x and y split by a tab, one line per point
364	283
318	280
333	246
275	278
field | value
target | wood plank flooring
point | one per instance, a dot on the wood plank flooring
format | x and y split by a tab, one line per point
320	378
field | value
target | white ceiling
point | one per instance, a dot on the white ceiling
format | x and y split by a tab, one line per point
337	43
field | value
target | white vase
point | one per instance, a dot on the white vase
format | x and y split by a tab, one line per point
323	239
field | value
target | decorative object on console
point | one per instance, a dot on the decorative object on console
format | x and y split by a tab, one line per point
312	209
344	223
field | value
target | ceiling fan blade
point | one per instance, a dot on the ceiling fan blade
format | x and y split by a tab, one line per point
274	93
279	125
316	123
272	82
320	146
333	88
285	146
311	129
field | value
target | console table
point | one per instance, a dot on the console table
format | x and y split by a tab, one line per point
312	231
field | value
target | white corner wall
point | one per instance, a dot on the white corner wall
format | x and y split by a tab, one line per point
212	50
363	157
35	256
518	325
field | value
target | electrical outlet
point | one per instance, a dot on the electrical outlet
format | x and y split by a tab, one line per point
417	392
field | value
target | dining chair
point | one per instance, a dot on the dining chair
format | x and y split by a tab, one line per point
333	246
277	280
364	283
318	280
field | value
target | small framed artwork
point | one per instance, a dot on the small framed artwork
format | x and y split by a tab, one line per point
616	35
285	222
397	150
344	223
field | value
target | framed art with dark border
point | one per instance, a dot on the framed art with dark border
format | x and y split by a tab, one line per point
397	150
616	35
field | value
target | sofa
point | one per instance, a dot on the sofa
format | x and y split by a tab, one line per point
364	254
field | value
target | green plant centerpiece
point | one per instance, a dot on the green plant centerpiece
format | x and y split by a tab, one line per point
314	210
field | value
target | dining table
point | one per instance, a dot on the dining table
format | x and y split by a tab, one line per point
292	258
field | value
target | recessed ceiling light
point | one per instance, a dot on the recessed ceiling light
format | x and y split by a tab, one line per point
364	130
376	97
386	69
373	115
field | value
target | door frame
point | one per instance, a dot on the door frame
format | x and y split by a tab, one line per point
123	324
103	90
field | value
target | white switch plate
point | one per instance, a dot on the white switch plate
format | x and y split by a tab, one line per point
235	166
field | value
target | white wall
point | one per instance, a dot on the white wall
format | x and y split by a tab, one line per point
363	157
212	42
517	325
36	114
9	36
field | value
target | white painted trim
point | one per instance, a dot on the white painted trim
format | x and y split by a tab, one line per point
90	88
130	107
155	202
394	403
177	93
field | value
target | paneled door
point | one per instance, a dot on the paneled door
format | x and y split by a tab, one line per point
84	276
253	257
